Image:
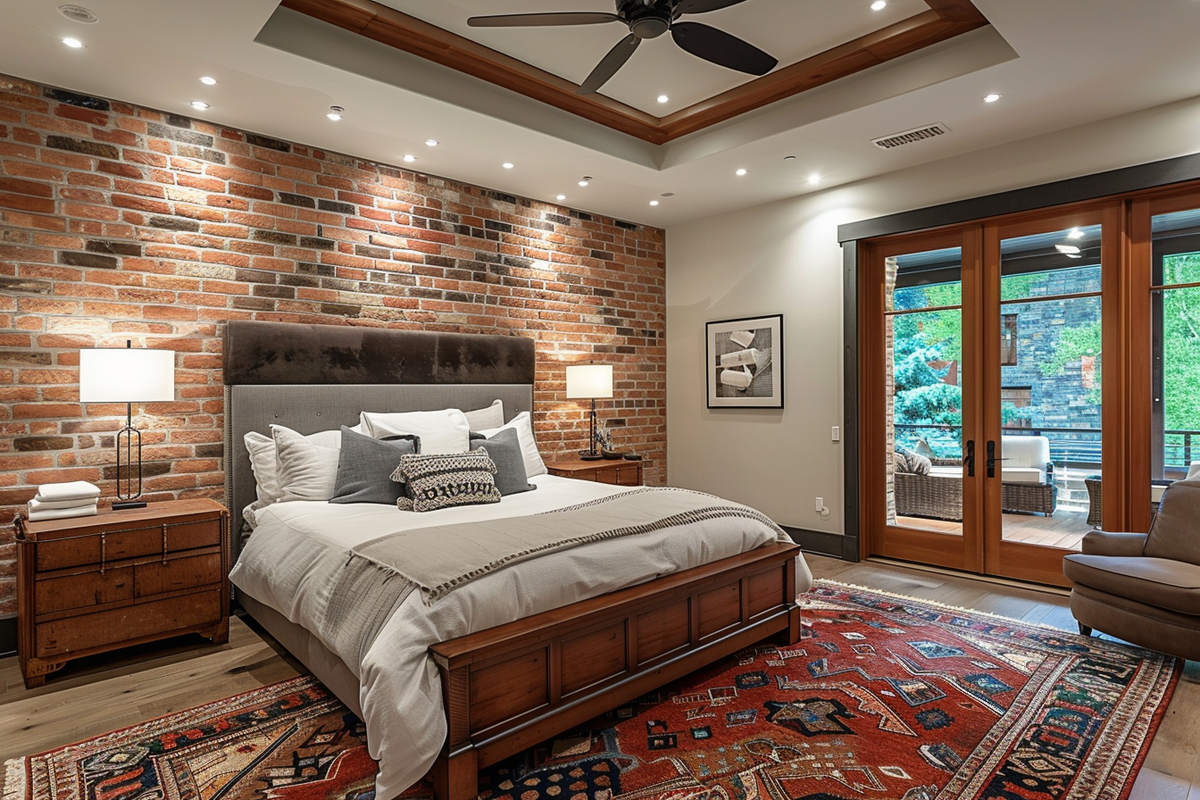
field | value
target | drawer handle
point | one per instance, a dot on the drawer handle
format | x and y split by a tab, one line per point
103	542
164	543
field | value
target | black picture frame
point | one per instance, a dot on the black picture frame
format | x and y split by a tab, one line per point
744	362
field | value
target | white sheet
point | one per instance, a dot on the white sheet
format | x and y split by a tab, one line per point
289	563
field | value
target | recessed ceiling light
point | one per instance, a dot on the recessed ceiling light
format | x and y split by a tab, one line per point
585	180
662	98
200	105
789	158
814	179
409	158
208	81
879	5
335	113
72	43
431	142
507	165
991	98
653	202
740	172
562	197
1075	234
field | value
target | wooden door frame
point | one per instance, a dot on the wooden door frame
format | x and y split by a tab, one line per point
910	544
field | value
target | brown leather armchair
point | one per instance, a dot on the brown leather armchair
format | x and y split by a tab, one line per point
1144	587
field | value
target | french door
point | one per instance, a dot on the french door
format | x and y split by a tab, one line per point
984	403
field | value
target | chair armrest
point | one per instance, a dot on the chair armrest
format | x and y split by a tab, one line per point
1103	543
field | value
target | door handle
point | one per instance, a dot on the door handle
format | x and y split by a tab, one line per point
991	458
969	458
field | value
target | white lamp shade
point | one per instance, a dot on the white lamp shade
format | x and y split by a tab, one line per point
589	381
125	375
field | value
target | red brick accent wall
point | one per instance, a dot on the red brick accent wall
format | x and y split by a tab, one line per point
119	222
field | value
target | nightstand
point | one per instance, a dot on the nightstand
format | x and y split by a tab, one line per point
610	470
91	584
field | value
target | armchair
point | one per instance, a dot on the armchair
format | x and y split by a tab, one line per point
1144	587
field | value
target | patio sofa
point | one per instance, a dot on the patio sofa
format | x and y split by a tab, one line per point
1026	474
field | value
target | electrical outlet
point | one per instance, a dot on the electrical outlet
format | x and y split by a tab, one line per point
836	434
820	504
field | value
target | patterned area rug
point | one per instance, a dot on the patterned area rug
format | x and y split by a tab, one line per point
884	697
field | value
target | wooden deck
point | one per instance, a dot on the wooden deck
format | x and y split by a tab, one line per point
1065	529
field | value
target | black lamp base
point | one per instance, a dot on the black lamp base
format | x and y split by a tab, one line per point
122	505
590	455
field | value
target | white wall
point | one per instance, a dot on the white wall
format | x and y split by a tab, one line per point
785	258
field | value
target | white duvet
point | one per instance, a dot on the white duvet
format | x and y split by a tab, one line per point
290	560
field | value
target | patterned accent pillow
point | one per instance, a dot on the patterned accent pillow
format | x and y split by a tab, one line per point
444	480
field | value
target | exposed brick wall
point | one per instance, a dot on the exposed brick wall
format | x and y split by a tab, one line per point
119	222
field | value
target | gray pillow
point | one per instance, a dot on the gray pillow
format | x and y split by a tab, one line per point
504	448
365	467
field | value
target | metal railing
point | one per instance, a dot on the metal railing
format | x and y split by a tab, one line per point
1077	448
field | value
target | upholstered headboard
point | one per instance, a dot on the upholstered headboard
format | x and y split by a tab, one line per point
319	377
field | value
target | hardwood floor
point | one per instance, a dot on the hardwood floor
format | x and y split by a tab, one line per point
92	696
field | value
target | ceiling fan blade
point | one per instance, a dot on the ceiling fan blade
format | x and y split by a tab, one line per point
609	65
721	48
538	20
703	6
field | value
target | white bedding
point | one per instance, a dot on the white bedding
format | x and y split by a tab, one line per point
290	561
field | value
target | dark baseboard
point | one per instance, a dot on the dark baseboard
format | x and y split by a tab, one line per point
8	636
826	544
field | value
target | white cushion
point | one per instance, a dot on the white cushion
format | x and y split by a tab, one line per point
1193	471
1022	475
490	417
444	431
1025	451
523	425
946	471
306	465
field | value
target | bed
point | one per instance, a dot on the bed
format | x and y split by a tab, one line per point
519	654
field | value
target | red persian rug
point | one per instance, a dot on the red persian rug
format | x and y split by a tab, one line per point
884	697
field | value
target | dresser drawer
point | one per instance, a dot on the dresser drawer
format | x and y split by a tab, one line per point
106	547
620	476
140	620
175	575
84	590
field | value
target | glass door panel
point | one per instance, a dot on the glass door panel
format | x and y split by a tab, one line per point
1175	354
1048	457
924	368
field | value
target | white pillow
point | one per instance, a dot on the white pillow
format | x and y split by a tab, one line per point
445	431
490	417
306	466
523	425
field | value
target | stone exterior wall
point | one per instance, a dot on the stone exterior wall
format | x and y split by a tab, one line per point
123	223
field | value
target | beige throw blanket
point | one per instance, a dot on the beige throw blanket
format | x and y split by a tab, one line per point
381	573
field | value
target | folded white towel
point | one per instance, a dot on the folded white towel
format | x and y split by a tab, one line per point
71	490
46	505
62	513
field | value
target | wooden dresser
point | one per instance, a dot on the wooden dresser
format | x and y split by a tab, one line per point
90	584
609	470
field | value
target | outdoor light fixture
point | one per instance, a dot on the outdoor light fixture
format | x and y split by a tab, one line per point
590	382
125	375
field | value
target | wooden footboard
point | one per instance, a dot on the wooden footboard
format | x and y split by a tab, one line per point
510	687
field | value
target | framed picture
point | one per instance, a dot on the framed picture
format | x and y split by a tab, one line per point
744	362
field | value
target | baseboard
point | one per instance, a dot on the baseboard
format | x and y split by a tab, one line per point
822	543
8	636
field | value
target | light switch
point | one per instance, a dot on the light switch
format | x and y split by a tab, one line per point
836	434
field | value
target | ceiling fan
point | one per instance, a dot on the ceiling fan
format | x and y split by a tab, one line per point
648	19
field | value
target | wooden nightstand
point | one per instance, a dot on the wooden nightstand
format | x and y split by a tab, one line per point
615	470
90	584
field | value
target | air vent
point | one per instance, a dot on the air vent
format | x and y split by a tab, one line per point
909	137
78	14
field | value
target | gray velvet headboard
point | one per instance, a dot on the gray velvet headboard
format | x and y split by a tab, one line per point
318	377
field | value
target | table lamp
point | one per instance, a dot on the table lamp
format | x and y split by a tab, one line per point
589	382
125	375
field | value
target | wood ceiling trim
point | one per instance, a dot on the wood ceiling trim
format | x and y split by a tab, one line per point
944	20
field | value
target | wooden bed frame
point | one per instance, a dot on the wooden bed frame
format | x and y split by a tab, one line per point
512	686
